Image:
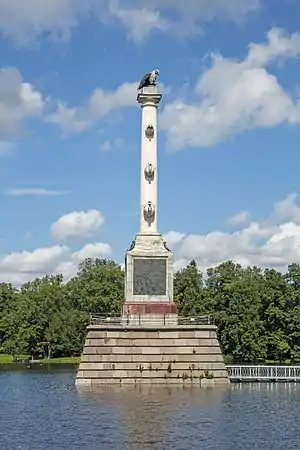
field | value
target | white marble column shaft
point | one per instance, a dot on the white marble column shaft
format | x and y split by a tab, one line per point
149	99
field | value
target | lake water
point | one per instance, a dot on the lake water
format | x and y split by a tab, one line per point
42	410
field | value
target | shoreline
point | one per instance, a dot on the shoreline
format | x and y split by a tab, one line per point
23	360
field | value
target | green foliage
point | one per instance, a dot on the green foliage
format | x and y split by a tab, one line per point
188	290
98	287
257	311
47	318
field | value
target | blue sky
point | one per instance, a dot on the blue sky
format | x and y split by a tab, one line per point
70	130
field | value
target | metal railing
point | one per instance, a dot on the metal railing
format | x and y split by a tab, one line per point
197	320
257	373
142	319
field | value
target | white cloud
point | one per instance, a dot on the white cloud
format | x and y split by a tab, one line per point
274	242
287	209
23	21
20	267
206	10
187	17
18	101
139	22
234	96
92	250
69	119
27	19
107	146
18	192
111	144
173	238
280	46
77	225
100	103
68	267
39	260
240	218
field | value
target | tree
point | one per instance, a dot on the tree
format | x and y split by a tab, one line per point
7	299
293	303
98	287
234	295
274	314
189	291
35	321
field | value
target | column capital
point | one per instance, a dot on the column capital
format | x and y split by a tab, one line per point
149	95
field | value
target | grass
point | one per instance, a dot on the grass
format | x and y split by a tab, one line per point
8	359
67	360
5	359
228	359
288	362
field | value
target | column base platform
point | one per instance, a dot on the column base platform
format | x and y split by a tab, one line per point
142	313
181	355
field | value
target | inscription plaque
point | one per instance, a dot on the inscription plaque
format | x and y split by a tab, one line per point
149	276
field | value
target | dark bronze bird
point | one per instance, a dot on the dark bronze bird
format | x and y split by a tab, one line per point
149	79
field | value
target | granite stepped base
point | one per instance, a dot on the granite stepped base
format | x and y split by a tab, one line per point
181	354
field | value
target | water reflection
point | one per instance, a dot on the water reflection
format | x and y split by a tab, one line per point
148	413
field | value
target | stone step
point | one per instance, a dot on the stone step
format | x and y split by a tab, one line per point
154	366
121	374
118	350
161	342
201	383
190	358
94	333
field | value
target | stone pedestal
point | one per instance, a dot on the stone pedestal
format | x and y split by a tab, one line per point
182	355
149	282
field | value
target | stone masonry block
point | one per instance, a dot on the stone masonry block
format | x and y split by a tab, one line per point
103	342
120	350
89	350
150	350
136	374
189	334
154	381
103	381
82	382
131	342
113	358
91	358
103	333
192	358
168	334
141	335
146	358
199	333
134	350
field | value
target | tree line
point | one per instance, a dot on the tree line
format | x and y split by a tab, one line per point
257	311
